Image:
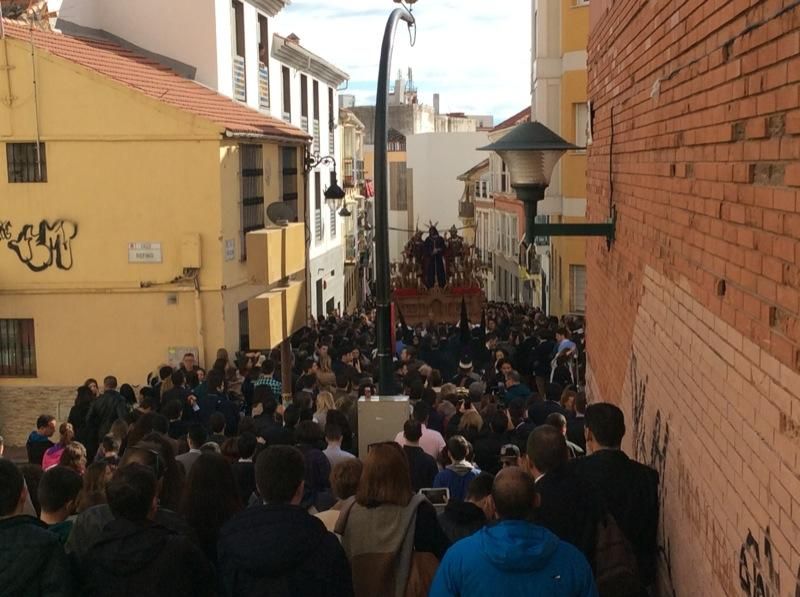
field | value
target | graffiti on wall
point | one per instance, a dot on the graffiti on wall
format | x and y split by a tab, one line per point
757	574
43	245
638	396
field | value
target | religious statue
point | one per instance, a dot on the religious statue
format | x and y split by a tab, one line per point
435	267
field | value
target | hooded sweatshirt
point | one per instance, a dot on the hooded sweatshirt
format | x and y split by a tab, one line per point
282	551
37	445
457	477
133	559
32	560
513	558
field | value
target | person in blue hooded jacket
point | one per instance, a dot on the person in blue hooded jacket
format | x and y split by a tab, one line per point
513	557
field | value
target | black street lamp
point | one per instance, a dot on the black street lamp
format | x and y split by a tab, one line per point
531	151
386	384
334	192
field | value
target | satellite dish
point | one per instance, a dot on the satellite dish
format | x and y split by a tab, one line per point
280	213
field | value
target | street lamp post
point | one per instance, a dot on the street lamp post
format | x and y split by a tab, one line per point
386	385
531	151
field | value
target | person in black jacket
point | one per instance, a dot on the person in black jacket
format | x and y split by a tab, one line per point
106	409
461	519
32	560
137	556
422	466
628	489
567	506
278	548
487	447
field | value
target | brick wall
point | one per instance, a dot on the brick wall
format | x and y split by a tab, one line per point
20	406
693	315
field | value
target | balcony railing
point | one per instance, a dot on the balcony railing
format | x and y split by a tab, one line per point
352	172
331	143
316	136
466	210
239	79
304	123
263	87
318	232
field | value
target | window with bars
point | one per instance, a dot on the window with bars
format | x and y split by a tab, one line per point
17	348
252	169
317	206
286	79
25	163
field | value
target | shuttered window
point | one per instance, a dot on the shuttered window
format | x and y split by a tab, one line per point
577	288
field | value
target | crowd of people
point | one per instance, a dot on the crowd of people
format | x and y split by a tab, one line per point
238	480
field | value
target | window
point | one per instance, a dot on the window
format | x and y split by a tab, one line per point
238	28
542	241
304	96
252	166
315	88
331	115
317	206
239	69
289	177
263	63
581	111
577	288
25	163
17	348
287	93
484	188
263	40
244	328
504	178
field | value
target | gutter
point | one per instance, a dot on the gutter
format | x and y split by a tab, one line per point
262	137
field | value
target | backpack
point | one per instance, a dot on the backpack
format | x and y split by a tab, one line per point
616	570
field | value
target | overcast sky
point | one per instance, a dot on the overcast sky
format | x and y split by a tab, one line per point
474	53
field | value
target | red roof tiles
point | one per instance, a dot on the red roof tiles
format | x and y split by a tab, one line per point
158	82
523	115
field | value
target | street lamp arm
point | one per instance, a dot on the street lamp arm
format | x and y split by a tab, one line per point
382	280
312	161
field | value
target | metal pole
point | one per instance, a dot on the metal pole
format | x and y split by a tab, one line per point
386	385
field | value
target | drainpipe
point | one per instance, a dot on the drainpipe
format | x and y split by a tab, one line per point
198	320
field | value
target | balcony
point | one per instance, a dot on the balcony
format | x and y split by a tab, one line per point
466	210
352	172
304	123
331	142
316	136
263	87
239	79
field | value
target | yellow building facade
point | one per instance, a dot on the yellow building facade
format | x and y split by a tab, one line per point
568	83
121	221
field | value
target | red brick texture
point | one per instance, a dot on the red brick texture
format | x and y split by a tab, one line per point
694	314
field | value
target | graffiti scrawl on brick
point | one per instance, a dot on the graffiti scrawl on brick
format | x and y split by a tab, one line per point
46	245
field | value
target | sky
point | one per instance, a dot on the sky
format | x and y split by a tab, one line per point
475	56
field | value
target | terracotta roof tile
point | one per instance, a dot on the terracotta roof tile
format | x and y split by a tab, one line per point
523	115
158	82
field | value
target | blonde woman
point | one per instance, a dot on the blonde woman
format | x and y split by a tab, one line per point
326	378
324	404
470	425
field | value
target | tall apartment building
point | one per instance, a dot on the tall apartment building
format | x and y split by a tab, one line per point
560	32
